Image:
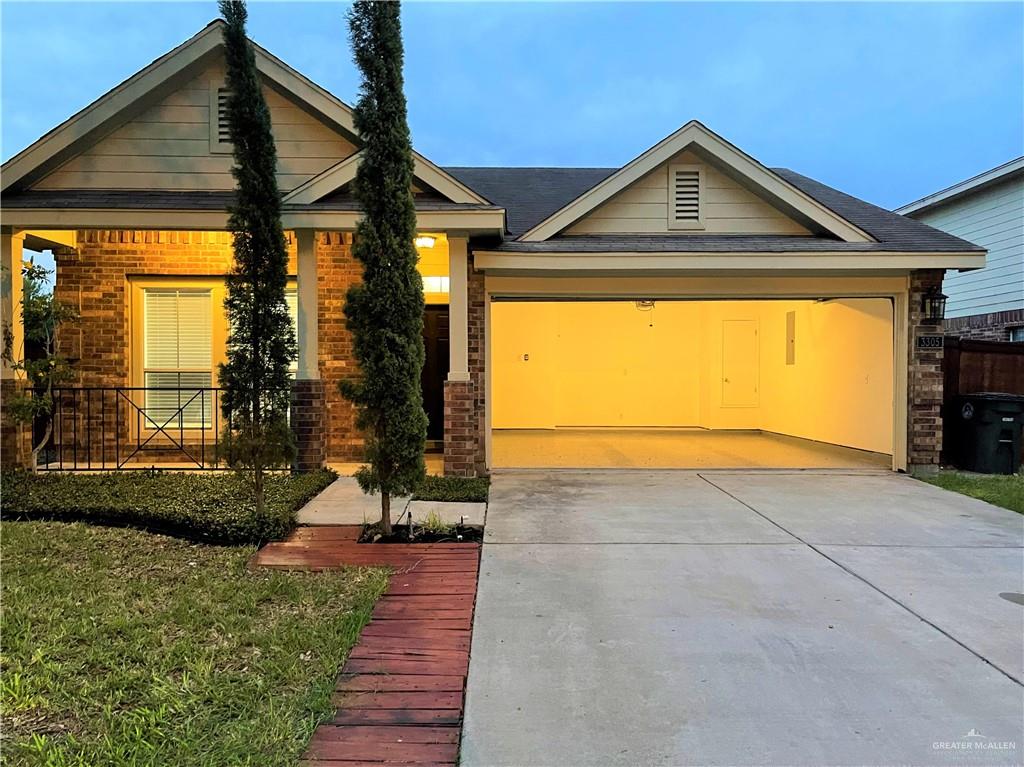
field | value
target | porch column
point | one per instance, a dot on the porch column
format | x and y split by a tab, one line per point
308	400
458	310
15	438
11	258
459	392
309	363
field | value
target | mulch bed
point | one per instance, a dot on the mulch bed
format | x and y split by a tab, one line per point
421	534
400	694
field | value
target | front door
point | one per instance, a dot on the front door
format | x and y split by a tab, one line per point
435	368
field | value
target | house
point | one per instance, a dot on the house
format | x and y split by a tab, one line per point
691	302
988	209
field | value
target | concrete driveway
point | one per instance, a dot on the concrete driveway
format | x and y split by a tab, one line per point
669	618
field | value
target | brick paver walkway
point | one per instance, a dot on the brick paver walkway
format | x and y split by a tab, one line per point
400	694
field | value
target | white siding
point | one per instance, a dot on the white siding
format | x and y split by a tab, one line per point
168	147
727	207
994	219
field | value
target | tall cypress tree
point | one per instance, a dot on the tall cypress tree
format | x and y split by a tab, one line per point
261	341
385	312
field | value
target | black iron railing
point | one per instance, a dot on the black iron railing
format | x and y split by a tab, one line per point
134	427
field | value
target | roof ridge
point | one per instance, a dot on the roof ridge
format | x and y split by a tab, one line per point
977	181
530	167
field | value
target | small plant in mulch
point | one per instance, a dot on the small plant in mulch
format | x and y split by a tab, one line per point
431	529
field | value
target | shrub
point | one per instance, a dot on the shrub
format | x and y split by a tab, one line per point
466	489
214	508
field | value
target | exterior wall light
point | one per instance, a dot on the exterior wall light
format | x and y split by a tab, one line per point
933	305
424	241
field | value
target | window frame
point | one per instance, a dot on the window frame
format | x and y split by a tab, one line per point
219	329
179	371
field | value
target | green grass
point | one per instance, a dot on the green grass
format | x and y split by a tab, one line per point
998	489
214	507
126	648
466	489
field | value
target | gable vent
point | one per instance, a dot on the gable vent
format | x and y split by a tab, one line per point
684	193
223	132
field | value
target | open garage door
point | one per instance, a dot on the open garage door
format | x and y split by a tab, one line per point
692	384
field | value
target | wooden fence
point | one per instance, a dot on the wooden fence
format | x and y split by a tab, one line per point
978	366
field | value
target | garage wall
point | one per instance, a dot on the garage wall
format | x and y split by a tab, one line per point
839	387
595	364
609	364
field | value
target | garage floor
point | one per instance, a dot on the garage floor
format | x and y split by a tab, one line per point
672	449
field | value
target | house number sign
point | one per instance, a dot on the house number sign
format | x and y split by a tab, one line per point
929	342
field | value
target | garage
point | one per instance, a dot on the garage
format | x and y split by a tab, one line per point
691	383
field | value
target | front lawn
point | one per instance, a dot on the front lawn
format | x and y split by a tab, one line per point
999	489
121	647
215	506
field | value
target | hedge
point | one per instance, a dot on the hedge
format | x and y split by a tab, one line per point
215	508
468	489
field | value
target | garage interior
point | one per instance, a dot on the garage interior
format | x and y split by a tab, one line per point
692	383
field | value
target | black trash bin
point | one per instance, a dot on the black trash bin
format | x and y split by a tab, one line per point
988	432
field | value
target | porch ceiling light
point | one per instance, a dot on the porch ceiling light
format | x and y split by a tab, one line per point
933	305
425	241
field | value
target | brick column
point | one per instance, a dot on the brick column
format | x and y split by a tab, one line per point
460	429
477	332
924	379
16	444
308	406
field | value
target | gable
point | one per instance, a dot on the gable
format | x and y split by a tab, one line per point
337	180
695	137
171	145
726	206
153	132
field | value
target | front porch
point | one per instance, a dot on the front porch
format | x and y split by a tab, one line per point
151	335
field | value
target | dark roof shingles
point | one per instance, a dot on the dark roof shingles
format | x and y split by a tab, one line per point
529	195
894	231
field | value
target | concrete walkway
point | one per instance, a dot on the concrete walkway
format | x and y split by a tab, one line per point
343	503
668	618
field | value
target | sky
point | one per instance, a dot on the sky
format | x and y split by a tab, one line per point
888	102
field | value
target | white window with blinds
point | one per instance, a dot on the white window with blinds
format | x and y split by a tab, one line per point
685	197
178	357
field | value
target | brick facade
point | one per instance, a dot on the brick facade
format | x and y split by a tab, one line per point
924	379
337	269
16	442
994	326
96	278
460	429
477	353
308	423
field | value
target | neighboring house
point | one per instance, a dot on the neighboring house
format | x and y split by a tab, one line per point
692	291
988	210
